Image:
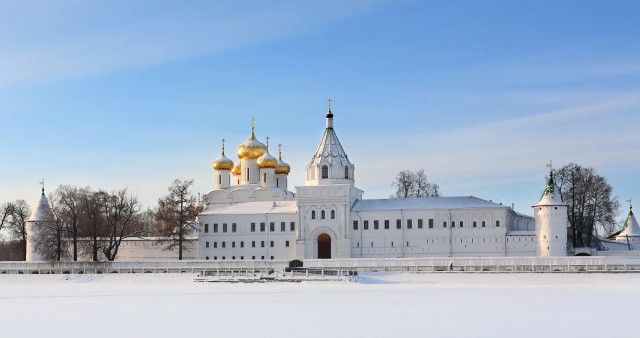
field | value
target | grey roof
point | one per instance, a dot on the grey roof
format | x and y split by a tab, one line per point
456	202
330	150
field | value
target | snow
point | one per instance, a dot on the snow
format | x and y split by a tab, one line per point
42	211
268	207
379	304
455	202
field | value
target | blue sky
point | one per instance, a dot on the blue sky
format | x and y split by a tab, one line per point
481	95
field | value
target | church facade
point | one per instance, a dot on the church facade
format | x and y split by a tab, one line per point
251	215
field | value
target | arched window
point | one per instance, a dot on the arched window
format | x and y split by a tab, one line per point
313	214
325	171
264	177
333	214
247	174
277	182
322	214
346	173
219	179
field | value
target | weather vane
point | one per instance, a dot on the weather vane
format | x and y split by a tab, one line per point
42	184
550	164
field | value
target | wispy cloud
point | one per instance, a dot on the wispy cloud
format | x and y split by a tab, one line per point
67	44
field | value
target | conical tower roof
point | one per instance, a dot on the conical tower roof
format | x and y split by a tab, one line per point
630	227
551	194
42	211
330	150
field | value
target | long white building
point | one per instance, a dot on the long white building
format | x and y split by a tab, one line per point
251	215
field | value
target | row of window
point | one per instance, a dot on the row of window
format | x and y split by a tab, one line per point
253	244
234	227
234	257
323	214
450	240
376	224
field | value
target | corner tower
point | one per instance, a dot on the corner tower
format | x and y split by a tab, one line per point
330	164
41	216
550	216
630	232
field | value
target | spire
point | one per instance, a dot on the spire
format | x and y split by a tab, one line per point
329	115
551	194
330	150
252	121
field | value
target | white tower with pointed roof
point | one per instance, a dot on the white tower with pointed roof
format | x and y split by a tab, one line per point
41	216
551	221
330	164
630	232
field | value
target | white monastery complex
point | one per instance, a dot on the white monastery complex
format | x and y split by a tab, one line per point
252	215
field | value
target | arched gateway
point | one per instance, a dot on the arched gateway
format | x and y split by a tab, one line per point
324	246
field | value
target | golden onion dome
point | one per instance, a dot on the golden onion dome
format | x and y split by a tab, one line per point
282	167
251	149
267	161
222	162
237	169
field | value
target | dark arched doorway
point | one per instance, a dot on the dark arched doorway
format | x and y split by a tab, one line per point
324	246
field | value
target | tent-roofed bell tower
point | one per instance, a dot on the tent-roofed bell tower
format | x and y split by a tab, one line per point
325	201
330	164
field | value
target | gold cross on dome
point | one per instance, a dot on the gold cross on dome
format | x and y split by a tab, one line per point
222	146
329	100
267	142
549	164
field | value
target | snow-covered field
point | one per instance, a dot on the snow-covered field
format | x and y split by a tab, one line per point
378	305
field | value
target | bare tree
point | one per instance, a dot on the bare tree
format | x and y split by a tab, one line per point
17	224
93	219
424	188
177	212
414	184
5	213
69	212
592	206
49	240
120	212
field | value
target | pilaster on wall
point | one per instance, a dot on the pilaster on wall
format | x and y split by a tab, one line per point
300	249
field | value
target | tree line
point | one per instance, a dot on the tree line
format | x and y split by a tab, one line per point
94	223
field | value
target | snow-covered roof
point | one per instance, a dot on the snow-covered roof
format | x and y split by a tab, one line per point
250	188
330	150
267	207
456	202
42	211
630	227
551	194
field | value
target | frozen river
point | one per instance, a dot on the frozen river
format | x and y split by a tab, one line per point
377	305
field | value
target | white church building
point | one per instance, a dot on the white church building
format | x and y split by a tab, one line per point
251	215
